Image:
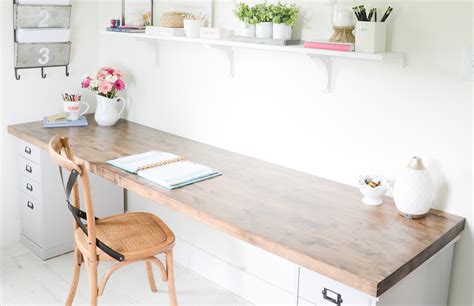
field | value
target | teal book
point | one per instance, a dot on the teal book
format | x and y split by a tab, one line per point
165	169
82	121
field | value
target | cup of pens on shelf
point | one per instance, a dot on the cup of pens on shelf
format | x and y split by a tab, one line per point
72	106
370	30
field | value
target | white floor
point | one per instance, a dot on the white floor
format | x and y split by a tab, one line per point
27	280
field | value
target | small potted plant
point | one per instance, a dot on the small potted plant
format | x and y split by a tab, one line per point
247	18
264	18
284	17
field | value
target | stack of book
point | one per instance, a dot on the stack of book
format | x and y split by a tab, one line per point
127	29
326	45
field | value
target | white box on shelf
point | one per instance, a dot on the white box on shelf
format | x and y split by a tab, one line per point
213	33
50	35
370	37
164	31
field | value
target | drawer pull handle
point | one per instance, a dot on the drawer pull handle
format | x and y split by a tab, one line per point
30	205
29	186
28	168
27	150
334	297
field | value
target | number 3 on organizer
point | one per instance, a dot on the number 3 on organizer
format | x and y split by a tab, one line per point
45	15
44	56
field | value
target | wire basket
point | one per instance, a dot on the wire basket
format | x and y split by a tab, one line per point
172	19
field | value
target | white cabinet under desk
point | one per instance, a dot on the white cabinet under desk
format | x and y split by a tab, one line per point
46	220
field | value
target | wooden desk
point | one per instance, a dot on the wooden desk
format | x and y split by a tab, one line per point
316	223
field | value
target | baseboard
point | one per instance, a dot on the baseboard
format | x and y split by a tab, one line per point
46	253
248	286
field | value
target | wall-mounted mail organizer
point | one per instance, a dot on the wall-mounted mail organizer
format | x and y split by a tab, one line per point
41	34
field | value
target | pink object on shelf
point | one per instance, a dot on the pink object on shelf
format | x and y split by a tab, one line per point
329	46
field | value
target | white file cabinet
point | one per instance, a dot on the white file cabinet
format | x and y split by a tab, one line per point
47	224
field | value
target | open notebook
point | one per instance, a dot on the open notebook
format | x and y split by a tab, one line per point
165	169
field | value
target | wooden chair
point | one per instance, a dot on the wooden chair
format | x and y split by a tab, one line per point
125	238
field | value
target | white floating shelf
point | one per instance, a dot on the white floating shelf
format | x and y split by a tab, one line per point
227	46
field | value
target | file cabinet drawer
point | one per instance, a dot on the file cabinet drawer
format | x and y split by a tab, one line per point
31	187
31	214
30	169
321	290
42	16
29	151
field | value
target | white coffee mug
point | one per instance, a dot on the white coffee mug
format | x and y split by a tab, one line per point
73	110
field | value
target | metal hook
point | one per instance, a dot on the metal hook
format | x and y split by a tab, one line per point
17	76
67	70
43	75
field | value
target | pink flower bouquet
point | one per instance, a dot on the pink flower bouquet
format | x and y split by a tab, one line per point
107	82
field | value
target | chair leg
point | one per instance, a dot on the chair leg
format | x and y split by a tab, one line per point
75	277
92	275
151	278
171	285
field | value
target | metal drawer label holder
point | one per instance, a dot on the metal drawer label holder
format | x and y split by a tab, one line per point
333	296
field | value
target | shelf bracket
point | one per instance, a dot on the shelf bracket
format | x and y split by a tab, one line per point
155	45
327	62
229	53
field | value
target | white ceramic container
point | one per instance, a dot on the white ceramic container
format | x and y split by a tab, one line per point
413	191
42	35
73	109
246	30
281	31
107	112
342	16
192	27
370	36
264	29
373	196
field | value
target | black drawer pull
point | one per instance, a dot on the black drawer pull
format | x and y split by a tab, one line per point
334	297
29	186
30	205
27	150
28	168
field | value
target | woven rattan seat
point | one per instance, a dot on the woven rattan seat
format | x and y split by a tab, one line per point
134	235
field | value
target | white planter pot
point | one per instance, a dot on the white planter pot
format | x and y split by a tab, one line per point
281	31
107	110
264	30
192	28
413	190
246	30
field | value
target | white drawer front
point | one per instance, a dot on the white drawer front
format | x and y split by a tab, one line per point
29	151
31	187
30	169
32	219
312	285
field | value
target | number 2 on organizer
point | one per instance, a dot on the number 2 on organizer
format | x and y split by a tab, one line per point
44	56
45	15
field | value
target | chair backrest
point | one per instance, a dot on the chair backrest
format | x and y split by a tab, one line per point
60	151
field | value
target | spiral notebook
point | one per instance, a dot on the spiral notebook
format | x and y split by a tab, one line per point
165	169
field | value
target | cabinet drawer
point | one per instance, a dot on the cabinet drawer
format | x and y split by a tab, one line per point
30	169
31	187
313	284
31	219
43	16
31	55
29	151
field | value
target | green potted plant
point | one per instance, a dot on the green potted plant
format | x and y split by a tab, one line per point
247	18
264	18
284	16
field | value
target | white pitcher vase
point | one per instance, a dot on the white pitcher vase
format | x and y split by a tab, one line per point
107	110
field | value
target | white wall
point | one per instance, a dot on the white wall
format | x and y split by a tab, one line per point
32	97
377	117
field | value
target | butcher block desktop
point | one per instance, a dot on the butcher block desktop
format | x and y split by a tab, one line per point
313	222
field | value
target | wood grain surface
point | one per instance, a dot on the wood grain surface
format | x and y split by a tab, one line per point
313	222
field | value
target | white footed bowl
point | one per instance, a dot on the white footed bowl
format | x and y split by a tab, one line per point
373	196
